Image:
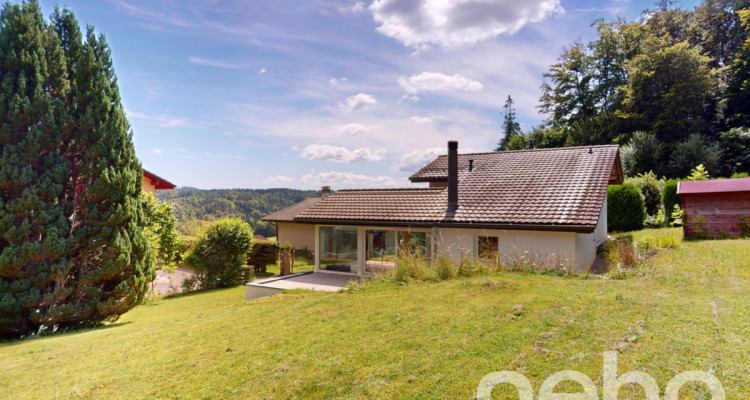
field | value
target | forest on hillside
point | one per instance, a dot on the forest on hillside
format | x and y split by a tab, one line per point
673	88
196	208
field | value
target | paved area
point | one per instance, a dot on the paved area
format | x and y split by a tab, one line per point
171	283
310	281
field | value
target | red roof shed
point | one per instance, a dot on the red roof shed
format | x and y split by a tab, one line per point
717	208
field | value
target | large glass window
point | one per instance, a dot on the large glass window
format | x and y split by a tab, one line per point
380	251
417	244
338	249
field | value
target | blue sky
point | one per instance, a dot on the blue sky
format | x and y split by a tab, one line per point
258	94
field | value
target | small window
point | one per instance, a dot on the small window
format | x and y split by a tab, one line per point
487	247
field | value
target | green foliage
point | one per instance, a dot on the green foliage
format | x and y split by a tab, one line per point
693	151
164	240
744	223
669	196
642	154
195	209
699	173
220	253
738	90
735	147
511	126
678	216
545	137
518	142
34	243
669	86
263	254
737	175
650	188
73	247
625	208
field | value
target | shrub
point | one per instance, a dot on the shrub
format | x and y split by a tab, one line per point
735	145
625	208
649	186
620	253
444	268
220	254
642	154
699	173
263	254
694	150
740	175
670	198
411	267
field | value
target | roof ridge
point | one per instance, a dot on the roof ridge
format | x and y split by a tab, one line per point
386	189
537	149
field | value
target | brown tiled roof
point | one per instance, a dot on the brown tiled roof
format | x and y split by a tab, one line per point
419	204
288	214
551	188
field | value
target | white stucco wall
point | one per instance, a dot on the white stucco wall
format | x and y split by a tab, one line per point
299	235
587	243
541	246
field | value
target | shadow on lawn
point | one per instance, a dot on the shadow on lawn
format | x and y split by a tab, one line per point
65	332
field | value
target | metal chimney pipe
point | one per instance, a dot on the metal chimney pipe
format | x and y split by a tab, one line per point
452	176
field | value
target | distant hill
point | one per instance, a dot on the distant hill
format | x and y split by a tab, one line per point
196	208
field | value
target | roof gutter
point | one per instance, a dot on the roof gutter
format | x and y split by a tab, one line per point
446	224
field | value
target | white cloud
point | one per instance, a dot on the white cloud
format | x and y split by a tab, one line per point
262	71
225	156
360	100
277	179
437	82
420	120
215	63
156	151
418	23
416	159
318	152
358	7
355	129
164	121
338	180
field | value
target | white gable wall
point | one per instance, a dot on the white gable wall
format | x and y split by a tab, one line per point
586	243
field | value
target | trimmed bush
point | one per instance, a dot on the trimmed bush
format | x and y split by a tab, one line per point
648	184
220	254
625	208
669	197
263	254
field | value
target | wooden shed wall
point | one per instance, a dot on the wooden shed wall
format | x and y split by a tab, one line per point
715	214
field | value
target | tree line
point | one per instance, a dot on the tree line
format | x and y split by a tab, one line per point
195	208
672	87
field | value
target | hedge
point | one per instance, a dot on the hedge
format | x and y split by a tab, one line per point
625	208
669	197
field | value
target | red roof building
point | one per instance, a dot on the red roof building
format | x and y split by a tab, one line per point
152	182
716	208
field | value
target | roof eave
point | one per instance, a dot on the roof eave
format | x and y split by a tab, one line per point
449	224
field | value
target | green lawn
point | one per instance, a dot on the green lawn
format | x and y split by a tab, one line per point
688	310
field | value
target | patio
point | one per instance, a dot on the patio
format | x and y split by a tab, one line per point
307	280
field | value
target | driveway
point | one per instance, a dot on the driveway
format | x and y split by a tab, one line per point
166	283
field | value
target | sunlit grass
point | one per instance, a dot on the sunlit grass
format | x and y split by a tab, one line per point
687	311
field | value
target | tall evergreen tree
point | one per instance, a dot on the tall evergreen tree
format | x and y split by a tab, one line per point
111	262
34	244
73	249
511	127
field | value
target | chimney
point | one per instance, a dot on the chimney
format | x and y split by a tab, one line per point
471	165
531	144
325	191
452	176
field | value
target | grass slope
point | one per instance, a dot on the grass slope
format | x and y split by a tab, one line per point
690	311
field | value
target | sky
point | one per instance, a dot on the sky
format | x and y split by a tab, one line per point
344	93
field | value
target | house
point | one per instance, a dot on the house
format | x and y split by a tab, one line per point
544	205
300	236
716	208
152	182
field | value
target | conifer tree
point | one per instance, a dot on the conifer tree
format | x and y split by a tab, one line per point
112	266
510	125
34	244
